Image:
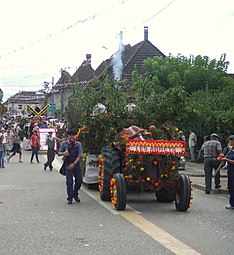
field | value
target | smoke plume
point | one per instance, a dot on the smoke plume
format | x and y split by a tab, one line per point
117	59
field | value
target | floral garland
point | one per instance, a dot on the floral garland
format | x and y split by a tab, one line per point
100	172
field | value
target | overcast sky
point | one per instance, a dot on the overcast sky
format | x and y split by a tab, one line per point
38	38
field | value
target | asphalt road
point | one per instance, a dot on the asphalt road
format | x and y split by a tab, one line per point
35	219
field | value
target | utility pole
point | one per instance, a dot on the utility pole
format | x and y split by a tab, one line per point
62	92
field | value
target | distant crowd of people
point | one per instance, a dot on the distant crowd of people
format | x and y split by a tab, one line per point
13	132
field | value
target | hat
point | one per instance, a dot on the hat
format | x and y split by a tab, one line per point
71	132
214	135
50	132
231	137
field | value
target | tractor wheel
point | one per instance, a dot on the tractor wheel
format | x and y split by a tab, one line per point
166	194
118	191
183	193
105	174
116	161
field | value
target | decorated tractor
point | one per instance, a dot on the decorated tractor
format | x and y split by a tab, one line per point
150	165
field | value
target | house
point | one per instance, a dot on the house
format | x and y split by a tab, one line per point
64	88
132	56
17	104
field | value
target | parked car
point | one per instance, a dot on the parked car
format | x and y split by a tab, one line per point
182	163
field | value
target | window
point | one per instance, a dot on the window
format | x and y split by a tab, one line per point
20	106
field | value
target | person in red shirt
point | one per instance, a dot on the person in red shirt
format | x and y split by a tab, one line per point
35	144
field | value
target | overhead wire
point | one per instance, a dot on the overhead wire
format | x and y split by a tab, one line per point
89	18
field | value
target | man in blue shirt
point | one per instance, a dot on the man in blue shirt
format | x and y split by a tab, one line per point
229	158
71	150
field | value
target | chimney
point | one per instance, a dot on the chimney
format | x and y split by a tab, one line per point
146	34
88	59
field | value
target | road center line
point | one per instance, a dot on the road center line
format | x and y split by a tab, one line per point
158	234
133	216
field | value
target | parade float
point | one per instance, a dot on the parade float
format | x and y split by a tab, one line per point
150	164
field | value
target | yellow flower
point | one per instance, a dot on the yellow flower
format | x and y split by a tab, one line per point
148	178
142	169
176	129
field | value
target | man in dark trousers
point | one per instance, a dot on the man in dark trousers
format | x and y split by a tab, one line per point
212	149
50	142
71	150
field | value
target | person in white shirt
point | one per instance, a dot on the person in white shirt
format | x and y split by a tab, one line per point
192	145
100	108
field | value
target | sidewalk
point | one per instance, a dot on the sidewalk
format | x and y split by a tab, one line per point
196	173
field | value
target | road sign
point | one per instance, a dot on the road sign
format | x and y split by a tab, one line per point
30	108
44	109
52	108
41	112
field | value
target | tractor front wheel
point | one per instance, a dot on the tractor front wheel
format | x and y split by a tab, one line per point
118	191
183	193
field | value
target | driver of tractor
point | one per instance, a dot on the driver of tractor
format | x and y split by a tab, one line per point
134	132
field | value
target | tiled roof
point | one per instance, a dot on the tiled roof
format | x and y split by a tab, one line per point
83	74
65	79
26	97
132	56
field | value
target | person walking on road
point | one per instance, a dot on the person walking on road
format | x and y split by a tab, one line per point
16	147
35	144
212	149
192	145
229	158
2	152
50	142
71	150
8	142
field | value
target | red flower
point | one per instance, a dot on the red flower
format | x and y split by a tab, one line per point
109	116
107	135
166	166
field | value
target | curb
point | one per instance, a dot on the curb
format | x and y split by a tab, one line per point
213	191
200	175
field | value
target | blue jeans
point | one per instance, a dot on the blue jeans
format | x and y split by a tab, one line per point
230	174
1	158
73	188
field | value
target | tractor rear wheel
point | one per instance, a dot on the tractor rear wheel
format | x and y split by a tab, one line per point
111	166
183	193
105	174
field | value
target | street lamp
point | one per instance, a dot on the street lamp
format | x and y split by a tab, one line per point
62	92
